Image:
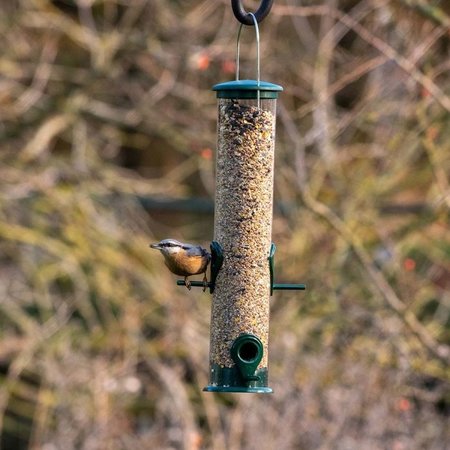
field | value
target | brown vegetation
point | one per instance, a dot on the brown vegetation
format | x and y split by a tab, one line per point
107	138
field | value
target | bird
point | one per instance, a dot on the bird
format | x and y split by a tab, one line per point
184	259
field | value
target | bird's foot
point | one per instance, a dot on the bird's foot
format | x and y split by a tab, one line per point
205	283
187	283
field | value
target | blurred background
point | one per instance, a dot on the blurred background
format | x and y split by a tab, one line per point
107	139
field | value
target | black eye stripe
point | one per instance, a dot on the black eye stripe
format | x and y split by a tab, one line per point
169	244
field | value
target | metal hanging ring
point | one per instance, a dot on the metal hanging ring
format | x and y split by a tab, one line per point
244	17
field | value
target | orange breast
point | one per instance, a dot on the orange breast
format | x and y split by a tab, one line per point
186	266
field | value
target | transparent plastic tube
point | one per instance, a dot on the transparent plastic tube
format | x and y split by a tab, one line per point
243	225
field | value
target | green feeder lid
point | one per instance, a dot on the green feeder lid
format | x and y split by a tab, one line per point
247	89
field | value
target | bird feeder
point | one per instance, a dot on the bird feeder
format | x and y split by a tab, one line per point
243	228
242	263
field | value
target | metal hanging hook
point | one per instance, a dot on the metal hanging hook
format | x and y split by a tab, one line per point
238	49
244	17
238	53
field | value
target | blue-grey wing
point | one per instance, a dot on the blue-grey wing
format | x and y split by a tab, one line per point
194	251
197	250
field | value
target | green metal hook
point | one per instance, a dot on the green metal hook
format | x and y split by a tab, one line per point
276	286
216	263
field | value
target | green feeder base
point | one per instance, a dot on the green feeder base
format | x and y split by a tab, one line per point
229	379
236	390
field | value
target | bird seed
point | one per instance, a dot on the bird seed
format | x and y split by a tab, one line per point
243	226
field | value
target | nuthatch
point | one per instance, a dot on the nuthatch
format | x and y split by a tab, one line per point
184	259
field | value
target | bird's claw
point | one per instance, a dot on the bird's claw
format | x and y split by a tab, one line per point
187	283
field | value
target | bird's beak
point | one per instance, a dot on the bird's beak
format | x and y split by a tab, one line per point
155	245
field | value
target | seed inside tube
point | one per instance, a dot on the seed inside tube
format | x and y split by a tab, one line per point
243	226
